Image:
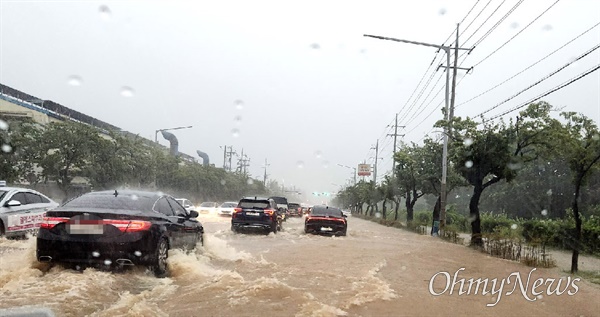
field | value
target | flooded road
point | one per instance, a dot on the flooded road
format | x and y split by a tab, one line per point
374	271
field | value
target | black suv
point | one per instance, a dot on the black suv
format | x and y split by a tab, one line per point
256	213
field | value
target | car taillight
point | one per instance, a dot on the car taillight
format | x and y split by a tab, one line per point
128	225
237	209
50	222
269	212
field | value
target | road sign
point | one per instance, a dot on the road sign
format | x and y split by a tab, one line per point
364	170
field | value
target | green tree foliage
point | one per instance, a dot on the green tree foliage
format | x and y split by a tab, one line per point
581	147
485	156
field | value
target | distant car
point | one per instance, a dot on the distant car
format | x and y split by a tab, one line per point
256	213
326	220
282	206
22	210
209	207
227	208
186	204
116	229
294	210
346	213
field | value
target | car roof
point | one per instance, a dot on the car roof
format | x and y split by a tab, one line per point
128	192
255	198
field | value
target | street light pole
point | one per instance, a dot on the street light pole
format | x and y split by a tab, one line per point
353	168
169	129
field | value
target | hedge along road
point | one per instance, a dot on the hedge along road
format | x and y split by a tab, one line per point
374	271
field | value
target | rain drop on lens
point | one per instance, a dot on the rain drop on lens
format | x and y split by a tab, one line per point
238	119
95	254
377	215
468	142
549	192
105	13
127	92
469	164
3	125
250	181
6	148
403	268
514	25
472	218
239	105
596	137
235	133
325	164
300	164
514	226
223	182
547	27
107	262
137	253
318	154
315	46
74	80
544	212
442	11
160	193
134	197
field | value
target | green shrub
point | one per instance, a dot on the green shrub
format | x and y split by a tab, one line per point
492	223
423	218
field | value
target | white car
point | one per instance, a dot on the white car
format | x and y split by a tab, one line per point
186	204
208	207
22	210
227	208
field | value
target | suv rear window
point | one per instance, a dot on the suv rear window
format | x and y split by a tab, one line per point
257	204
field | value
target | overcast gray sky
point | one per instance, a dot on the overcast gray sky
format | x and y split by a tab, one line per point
315	92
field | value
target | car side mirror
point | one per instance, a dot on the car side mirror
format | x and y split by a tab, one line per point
13	203
345	216
193	214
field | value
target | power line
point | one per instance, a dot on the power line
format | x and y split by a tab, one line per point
542	79
478	14
488	18
530	23
563	85
499	22
530	66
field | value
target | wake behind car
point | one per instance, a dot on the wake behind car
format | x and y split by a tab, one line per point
22	210
326	220
256	213
118	228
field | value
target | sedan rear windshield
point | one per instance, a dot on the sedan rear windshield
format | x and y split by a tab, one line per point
331	212
209	204
122	201
229	205
255	204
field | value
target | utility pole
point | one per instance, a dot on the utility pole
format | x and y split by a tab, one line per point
228	155
225	157
448	132
447	111
265	175
376	148
395	135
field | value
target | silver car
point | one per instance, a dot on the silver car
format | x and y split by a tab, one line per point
22	210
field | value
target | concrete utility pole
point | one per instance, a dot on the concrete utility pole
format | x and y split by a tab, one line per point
450	118
265	175
230	154
447	111
225	157
376	148
395	135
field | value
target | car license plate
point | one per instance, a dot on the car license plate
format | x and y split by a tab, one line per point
326	229
85	229
252	213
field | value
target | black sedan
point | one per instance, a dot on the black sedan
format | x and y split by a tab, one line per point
116	229
326	220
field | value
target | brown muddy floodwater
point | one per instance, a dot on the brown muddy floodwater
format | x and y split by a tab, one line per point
374	271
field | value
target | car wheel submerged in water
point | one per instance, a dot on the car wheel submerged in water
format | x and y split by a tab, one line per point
160	267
